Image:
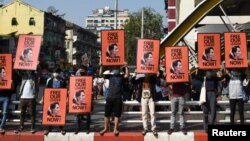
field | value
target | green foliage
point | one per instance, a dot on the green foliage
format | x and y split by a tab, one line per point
153	29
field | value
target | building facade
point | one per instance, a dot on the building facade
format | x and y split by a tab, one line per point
104	18
18	18
80	41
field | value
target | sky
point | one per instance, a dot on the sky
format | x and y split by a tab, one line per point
77	10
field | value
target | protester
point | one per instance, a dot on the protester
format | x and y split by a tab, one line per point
83	72
114	99
147	98
177	105
98	85
196	85
106	83
211	84
28	94
55	82
5	97
235	94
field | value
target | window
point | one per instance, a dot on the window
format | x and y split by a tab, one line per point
14	21
32	21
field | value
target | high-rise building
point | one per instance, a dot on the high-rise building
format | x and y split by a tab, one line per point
104	18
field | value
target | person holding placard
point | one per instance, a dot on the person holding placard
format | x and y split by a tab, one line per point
28	93
55	82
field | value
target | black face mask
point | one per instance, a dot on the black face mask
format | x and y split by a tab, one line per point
82	73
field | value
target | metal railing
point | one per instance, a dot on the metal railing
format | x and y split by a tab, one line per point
225	113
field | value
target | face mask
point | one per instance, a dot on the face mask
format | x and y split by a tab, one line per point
55	75
209	74
82	73
29	72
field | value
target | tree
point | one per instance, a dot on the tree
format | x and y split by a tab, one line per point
153	29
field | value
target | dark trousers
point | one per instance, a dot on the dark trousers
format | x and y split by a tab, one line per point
31	104
50	128
233	107
209	106
78	121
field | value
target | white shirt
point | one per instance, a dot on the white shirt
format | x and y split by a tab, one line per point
27	91
98	80
105	84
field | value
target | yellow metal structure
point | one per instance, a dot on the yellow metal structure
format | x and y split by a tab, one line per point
183	28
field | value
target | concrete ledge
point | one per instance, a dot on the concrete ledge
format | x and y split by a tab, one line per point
123	136
56	136
81	137
95	136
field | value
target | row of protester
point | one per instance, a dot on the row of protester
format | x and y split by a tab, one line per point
55	95
147	69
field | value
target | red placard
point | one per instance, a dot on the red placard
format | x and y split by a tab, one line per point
177	68
235	50
27	52
209	56
5	71
80	97
54	107
112	47
147	56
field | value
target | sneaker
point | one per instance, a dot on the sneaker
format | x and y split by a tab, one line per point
63	132
87	132
155	133
2	131
32	130
170	131
19	130
46	132
184	131
76	131
102	132
144	132
116	132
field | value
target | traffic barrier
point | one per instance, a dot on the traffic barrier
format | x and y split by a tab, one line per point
200	136
123	136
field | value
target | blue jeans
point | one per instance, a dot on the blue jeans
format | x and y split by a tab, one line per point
5	105
177	105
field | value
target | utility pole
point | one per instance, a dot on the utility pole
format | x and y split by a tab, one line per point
142	22
116	10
